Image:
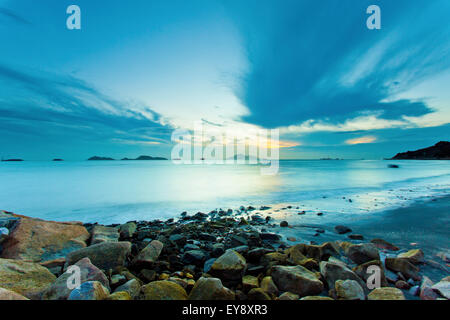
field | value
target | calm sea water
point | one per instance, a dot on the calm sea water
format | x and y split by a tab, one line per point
119	191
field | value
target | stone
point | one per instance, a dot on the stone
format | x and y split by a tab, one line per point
35	240
316	298
25	278
349	290
403	285
356	236
149	255
106	256
332	272
443	287
249	282
217	250
88	272
271	237
208	264
210	289
117	280
127	230
414	256
101	234
361	253
90	290
384	245
342	229
284	224
296	279
258	294
163	290
196	257
178	239
273	258
317	252
4	232
269	286
147	275
133	287
386	293
6	294
229	267
119	295
426	292
289	296
362	271
255	254
404	266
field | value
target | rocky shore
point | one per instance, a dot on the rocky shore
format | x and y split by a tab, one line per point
223	255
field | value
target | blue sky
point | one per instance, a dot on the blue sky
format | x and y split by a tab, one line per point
137	70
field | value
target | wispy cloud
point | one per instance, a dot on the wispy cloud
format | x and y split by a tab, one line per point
361	140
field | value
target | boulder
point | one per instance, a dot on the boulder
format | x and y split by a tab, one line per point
249	282
106	255
269	286
426	292
349	290
90	290
404	266
414	256
196	257
229	267
163	290
296	279
119	295
258	294
289	296
332	272
149	255
101	234
127	230
361	271
133	287
35	240
210	289
317	252
384	245
6	294
26	278
361	253
386	293
342	229
88	272
443	287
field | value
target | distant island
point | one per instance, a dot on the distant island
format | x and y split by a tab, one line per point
440	151
144	158
97	158
12	160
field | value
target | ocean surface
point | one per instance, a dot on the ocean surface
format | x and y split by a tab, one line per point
119	191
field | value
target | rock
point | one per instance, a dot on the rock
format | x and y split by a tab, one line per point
258	294
383	244
26	278
90	290
271	237
269	286
106	256
196	257
349	290
210	289
147	275
118	280
9	220
361	253
386	293
4	232
208	264
296	279
149	254
274	258
414	256
163	290
127	230
119	295
207	237
356	236
400	284
88	272
218	249
316	298
414	291
289	296
133	287
301	251
426	291
255	254
361	271
229	267
179	239
443	287
284	224
6	294
402	265
332	272
36	240
342	229
249	282
102	234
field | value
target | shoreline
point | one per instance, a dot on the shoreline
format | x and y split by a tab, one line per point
249	255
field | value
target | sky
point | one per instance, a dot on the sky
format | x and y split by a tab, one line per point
138	70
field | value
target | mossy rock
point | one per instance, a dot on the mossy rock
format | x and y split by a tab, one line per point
163	290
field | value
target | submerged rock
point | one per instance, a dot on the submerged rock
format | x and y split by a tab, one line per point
342	229
383	244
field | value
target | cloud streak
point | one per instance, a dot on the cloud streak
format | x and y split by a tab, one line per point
311	60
